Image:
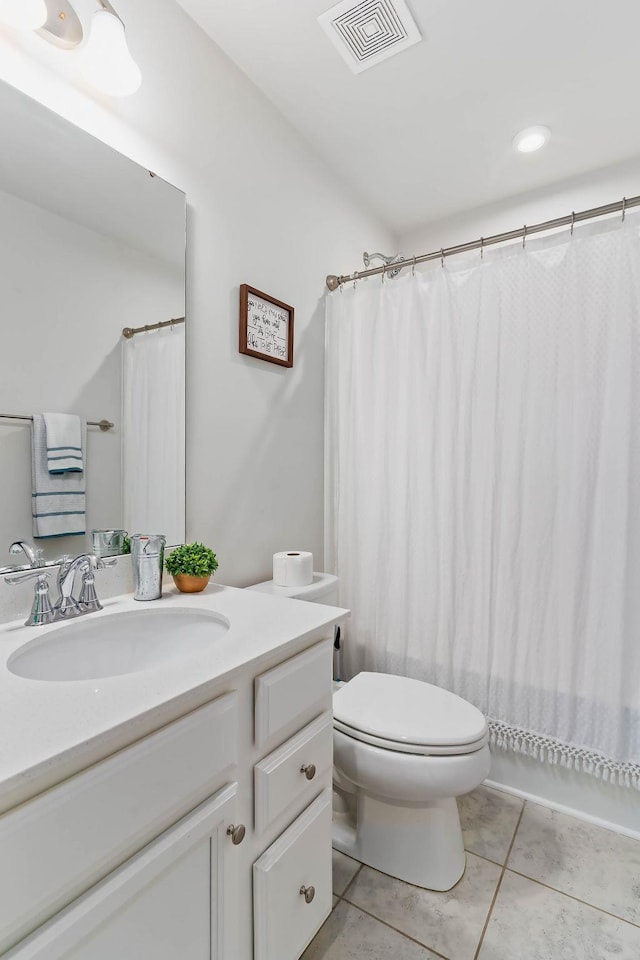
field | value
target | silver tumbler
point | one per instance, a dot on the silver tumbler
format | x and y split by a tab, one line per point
147	558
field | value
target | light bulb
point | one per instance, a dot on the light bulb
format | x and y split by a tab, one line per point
106	62
531	139
23	14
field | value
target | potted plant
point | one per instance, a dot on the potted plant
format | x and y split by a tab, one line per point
191	567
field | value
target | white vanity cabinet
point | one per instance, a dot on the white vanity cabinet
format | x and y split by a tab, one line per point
209	839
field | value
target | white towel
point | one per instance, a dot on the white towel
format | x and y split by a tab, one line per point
58	501
64	443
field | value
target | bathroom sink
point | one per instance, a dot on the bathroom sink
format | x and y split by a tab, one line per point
121	643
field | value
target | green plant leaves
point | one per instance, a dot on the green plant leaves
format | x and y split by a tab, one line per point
194	559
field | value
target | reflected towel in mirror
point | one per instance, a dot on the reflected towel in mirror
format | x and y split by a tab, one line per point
58	501
64	443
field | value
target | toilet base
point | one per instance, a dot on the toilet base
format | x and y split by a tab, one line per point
421	844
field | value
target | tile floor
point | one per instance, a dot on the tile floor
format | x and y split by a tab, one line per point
539	885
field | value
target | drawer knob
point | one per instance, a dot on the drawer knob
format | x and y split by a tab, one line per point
309	770
308	893
236	833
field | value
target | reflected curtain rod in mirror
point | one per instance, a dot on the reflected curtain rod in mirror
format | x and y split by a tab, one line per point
129	332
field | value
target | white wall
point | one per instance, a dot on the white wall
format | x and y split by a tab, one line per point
579	193
262	210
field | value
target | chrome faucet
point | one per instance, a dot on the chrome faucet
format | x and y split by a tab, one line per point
67	606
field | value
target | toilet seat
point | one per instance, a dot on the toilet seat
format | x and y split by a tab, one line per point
408	716
419	749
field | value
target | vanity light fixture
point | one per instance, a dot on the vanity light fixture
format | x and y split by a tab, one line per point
104	59
23	14
107	63
531	139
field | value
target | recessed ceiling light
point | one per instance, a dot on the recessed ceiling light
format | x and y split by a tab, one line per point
531	139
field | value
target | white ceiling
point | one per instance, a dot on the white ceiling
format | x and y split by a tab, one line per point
428	132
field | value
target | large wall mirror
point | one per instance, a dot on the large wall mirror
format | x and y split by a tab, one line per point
90	243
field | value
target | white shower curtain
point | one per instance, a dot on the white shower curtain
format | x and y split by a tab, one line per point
483	487
153	444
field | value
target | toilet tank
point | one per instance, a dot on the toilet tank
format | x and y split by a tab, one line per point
323	589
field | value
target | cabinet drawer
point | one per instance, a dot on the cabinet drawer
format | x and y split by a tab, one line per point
293	692
280	782
55	846
284	923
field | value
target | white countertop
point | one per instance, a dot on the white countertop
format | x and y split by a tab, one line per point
50	730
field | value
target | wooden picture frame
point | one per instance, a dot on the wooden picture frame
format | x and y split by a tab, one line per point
266	327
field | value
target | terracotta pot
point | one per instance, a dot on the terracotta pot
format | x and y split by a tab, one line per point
186	583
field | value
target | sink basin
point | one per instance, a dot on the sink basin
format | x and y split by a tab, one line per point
120	643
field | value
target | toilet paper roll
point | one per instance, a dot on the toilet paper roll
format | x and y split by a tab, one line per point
293	568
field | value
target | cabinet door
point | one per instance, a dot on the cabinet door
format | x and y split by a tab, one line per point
176	898
69	838
292	885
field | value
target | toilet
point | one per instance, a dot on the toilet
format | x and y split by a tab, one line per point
403	751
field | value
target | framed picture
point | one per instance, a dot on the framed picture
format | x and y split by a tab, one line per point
266	327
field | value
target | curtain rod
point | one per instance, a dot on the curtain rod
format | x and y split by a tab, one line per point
129	332
103	424
522	233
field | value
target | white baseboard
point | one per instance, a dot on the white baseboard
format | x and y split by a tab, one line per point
567	791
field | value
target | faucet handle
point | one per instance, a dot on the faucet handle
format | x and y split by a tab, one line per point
35	574
41	611
88	598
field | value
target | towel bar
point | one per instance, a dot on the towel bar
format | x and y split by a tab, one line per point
103	424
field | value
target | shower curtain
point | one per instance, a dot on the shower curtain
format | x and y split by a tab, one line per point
153	444
483	487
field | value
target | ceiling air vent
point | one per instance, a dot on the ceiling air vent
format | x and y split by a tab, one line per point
368	32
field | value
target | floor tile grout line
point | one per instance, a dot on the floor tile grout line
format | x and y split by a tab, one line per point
498	885
570	896
515	829
525	804
407	936
496	863
353	879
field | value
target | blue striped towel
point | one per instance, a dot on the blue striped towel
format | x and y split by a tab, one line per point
58	500
64	443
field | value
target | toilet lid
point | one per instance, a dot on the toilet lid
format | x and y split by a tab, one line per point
405	711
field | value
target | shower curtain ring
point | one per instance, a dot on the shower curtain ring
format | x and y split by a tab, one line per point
384	267
524	235
413	267
355	277
624	208
573	221
442	257
482	248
